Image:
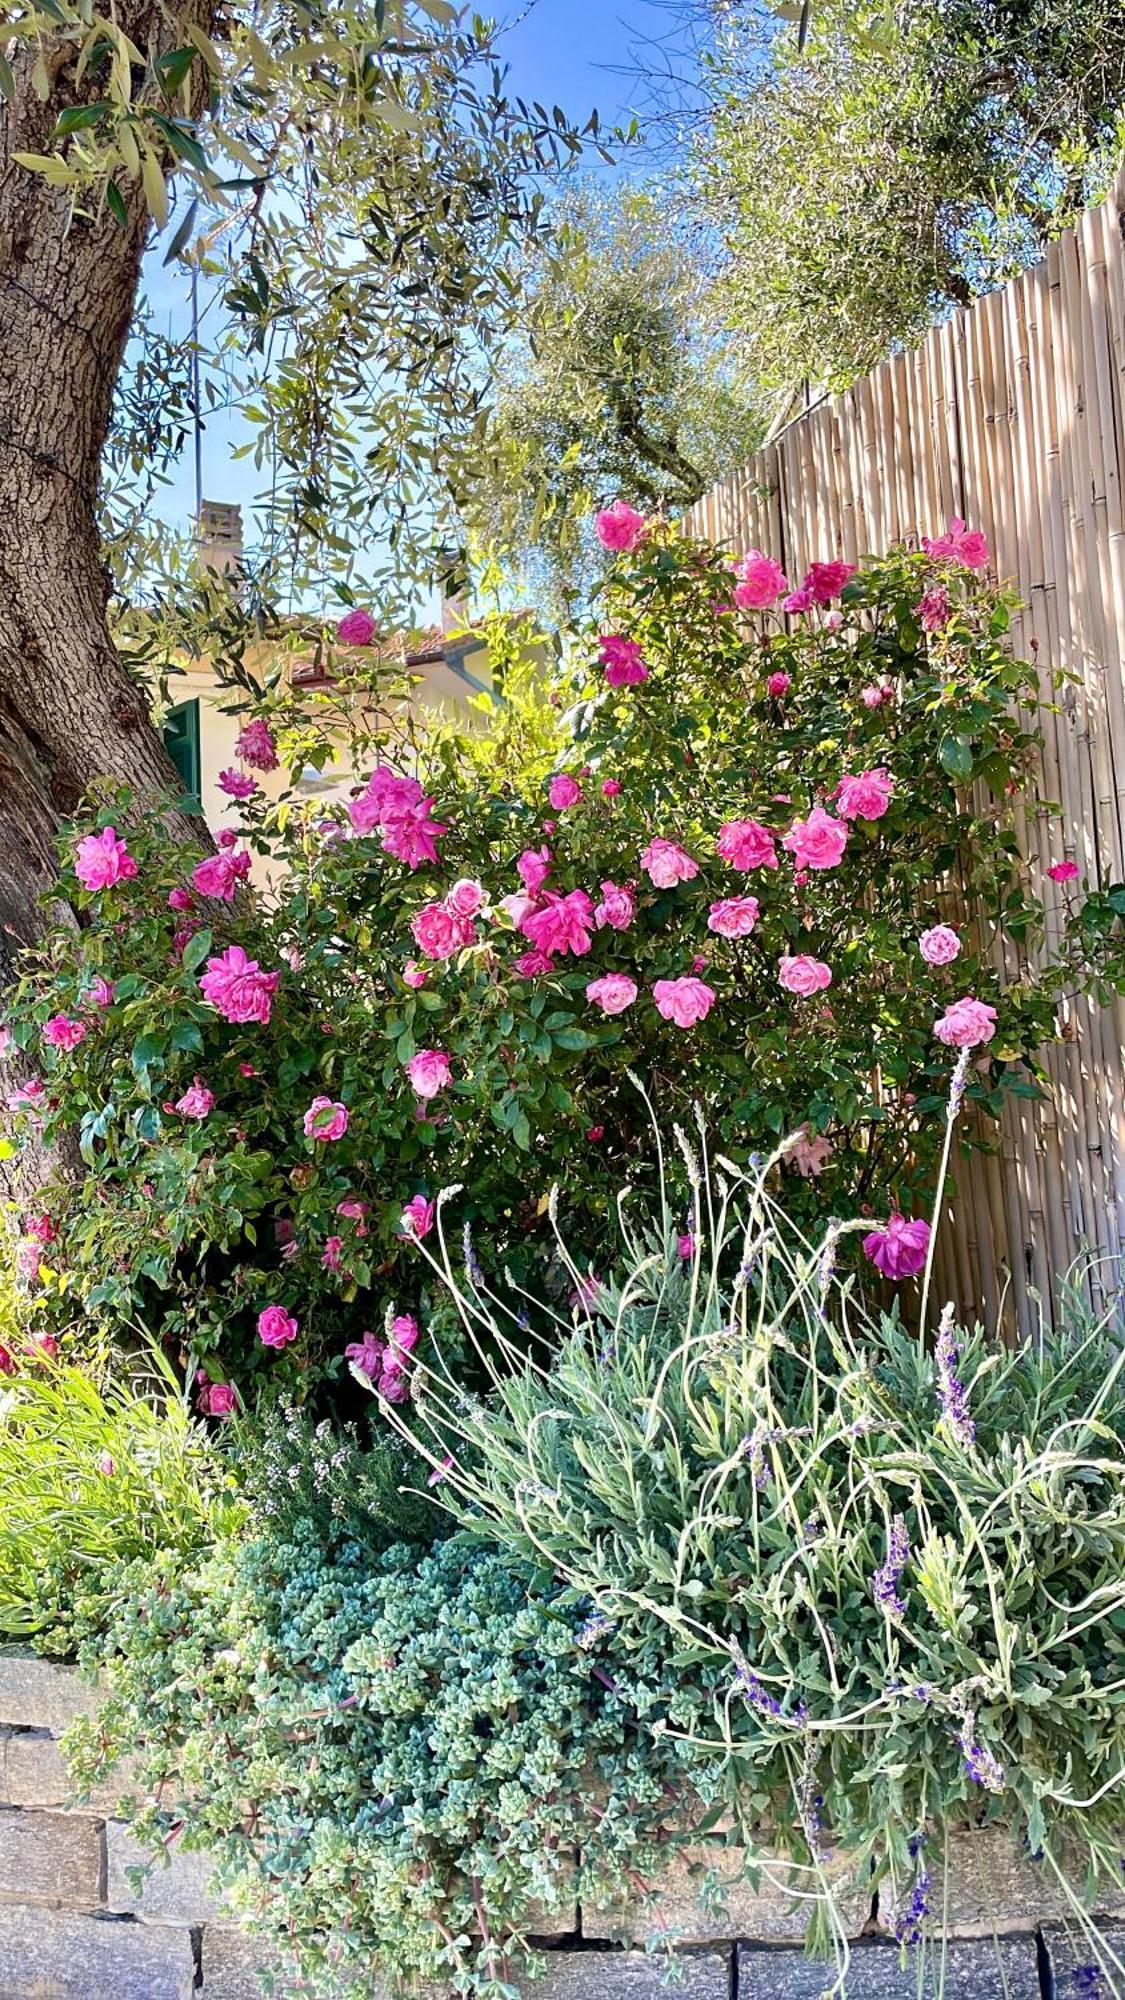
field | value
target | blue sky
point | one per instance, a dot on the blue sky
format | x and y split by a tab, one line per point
566	52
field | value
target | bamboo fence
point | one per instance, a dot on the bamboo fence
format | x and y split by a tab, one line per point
1011	414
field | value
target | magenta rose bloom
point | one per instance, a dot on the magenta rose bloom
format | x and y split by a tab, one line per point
803	975
866	796
612	993
683	1001
417	1218
533	868
619	528
898	1250
959	544
798	601
218	1399
939	945
665	864
1063	871
103	992
563	791
237	987
561	924
412	836
933	609
256	746
778	685
623	661
63	1032
465	897
102	859
326	1119
818	841
826	580
760	581
966	1024
414	975
220	875
746	845
734	917
616	907
197	1101
429	1071
356	628
237	784
276	1327
439	932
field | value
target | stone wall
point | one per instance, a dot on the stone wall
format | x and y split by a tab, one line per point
73	1927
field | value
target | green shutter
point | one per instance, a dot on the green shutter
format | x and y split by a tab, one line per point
181	739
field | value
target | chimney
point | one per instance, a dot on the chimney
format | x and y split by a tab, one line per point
453	587
219	537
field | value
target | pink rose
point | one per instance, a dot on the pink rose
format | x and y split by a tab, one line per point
413	974
417	1218
465	897
595	1134
612	993
561	924
966	1024
41	1228
834	621
563	791
429	1071
256	747
874	697
220	875
933	609
818	841
63	1032
102	860
332	1254
237	784
102	992
760	581
798	601
899	1249
439	932
683	1001
403	1333
533	868
237	987
611	788
181	899
685	1246
197	1101
746	845
623	662
531	964
826	580
866	796
412	836
355	1211
803	975
619	527
665	864
615	909
1063	871
734	917
959	544
939	945
325	1119
276	1327
778	685
809	1156
356	628
222	1400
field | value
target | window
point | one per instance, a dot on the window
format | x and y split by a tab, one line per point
181	740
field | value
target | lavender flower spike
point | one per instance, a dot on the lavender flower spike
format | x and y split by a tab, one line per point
982	1766
951	1390
885	1582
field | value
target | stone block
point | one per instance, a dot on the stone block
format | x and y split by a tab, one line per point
38	1694
51	1858
177	1891
1070	1948
975	1969
33	1772
993	1886
703	1893
232	1960
633	1975
59	1955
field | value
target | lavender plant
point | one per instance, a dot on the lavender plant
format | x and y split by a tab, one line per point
900	1557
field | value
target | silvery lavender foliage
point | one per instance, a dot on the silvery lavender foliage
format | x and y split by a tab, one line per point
885	1582
983	1768
810	1802
951	1390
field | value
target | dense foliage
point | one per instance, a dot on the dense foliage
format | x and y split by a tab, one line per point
416	1745
902	1558
455	976
893	163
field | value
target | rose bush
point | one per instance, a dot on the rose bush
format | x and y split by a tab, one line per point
755	876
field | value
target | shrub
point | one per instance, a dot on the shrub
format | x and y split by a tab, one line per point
394	1759
903	1561
95	1469
250	1139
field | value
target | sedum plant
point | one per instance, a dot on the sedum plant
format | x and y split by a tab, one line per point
897	1553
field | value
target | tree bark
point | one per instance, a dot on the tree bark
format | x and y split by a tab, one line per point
69	711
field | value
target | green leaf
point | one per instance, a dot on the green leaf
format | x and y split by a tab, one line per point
955	754
196	950
115	202
78	118
173	68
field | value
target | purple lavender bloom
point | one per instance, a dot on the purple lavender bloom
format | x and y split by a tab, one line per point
754	1448
982	1767
885	1582
755	1694
1088	1979
951	1390
596	1626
